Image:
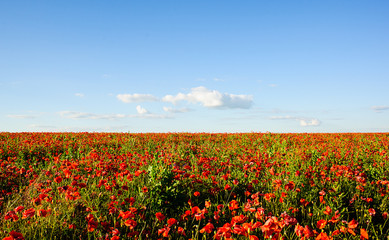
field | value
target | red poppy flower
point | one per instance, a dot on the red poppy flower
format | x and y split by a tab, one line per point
14	236
321	224
352	224
58	179
160	216
323	236
28	213
364	234
207	228
328	210
19	209
171	221
130	223
42	213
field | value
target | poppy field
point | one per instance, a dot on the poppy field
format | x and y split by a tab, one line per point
194	186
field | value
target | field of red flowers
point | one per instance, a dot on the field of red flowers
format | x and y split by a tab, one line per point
194	186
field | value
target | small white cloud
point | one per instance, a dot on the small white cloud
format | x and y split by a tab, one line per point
380	108
201	79
273	85
105	76
211	98
218	80
82	115
130	98
304	122
37	126
173	110
79	94
282	117
141	110
142	113
309	122
21	116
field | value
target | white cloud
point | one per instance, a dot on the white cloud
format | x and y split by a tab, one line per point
142	113
273	85
174	110
129	98
282	117
44	127
83	115
380	108
141	110
21	116
50	128
211	98
79	94
304	122
309	122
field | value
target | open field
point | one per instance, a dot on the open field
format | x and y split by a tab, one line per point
194	186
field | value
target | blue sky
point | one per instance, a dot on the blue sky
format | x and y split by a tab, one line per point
194	66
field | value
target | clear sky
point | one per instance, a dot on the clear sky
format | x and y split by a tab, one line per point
194	66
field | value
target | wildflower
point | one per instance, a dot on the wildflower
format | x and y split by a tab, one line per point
269	196
272	226
42	213
233	205
364	234
323	236
14	236
199	216
164	231
160	216
253	237
207	228
196	194
181	231
19	209
171	221
28	213
239	219
352	224
290	186
321	224
308	232
372	212
130	223
92	225
11	215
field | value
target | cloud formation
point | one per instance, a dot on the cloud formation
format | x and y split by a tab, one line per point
380	108
175	110
130	98
141	110
79	94
309	122
211	98
83	115
304	122
21	116
142	113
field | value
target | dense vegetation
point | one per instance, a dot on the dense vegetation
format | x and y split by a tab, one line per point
194	186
